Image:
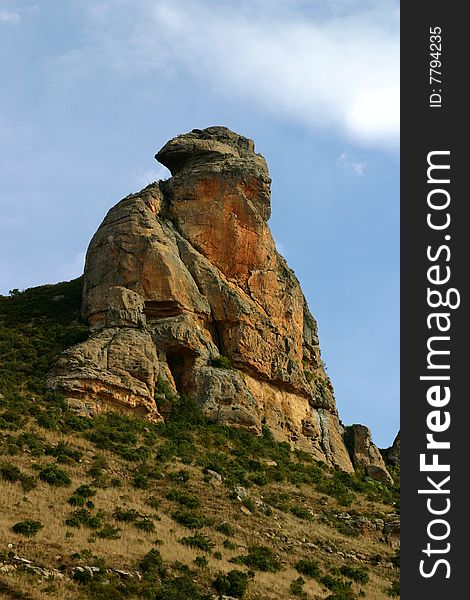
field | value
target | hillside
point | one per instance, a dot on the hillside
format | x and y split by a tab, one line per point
116	506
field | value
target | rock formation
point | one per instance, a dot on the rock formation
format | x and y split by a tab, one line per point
392	455
364	453
183	279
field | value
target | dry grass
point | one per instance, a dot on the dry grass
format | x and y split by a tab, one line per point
22	586
283	532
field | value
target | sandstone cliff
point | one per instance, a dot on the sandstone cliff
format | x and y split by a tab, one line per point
185	272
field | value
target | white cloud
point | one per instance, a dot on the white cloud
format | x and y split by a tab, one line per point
9	17
336	72
325	65
358	168
351	163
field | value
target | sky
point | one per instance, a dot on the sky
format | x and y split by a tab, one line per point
91	89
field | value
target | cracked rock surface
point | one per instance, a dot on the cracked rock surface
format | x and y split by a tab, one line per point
187	270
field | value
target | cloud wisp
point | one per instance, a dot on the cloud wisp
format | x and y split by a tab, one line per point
144	177
7	16
338	70
351	163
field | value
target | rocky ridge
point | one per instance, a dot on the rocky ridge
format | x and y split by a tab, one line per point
184	290
364	453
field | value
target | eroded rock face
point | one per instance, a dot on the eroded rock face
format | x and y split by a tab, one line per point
365	454
187	270
392	455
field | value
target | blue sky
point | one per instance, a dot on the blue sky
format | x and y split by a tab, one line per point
92	89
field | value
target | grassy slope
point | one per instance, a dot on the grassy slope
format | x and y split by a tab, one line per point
288	504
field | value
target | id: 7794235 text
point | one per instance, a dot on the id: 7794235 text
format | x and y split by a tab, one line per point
435	65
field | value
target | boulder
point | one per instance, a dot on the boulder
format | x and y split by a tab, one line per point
392	455
364	453
183	284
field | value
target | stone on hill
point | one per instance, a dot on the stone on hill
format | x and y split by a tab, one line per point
185	271
364	453
392	455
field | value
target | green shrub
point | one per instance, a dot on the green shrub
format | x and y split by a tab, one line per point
27	528
81	495
97	467
339	524
28	482
165	397
132	454
342	595
54	475
163	388
11	420
190	519
301	512
278	500
187	411
260	558
181	476
76	423
152	563
308	567
12	473
145	524
221	362
234	583
84	517
183	568
32	441
249	504
153	501
180	588
109	532
130	515
394	589
85	491
126	515
342	589
260	479
64	452
76	500
336	487
199	541
183	498
201	561
34	330
83	577
79	501
119	434
359	574
226	529
296	587
48	419
228	545
141	481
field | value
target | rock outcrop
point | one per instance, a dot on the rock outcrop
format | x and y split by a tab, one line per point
185	272
391	455
364	453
